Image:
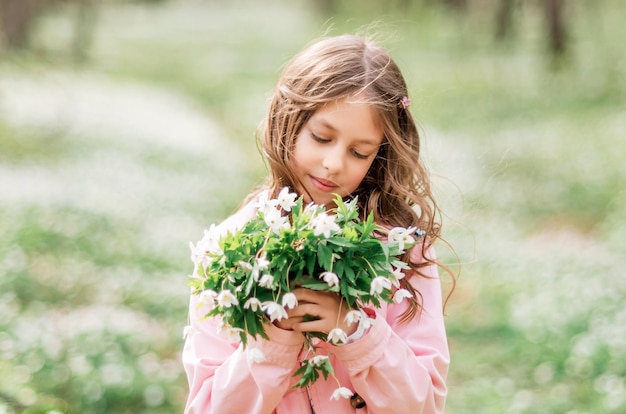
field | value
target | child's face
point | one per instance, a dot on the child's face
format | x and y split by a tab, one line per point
335	149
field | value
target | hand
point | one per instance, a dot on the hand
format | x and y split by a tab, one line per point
287	324
327	308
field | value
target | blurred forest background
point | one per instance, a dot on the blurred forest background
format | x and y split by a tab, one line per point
127	127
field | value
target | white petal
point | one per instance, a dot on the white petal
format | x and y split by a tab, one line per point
354	316
255	355
289	300
401	294
341	392
337	336
318	360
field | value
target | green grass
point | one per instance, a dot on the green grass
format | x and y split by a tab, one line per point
528	164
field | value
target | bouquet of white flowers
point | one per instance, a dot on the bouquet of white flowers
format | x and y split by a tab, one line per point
246	276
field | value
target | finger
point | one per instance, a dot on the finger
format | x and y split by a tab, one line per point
312	326
287	324
314	296
310	309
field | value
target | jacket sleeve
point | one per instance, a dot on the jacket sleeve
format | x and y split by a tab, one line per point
223	380
401	367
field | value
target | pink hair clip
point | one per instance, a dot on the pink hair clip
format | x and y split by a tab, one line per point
404	102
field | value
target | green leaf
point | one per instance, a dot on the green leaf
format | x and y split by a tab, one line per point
319	286
357	292
251	322
327	368
349	273
338	241
324	256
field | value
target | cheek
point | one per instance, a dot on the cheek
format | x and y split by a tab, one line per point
303	153
358	173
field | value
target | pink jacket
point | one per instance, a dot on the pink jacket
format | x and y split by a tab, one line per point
395	367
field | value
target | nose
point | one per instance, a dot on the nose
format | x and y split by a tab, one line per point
333	159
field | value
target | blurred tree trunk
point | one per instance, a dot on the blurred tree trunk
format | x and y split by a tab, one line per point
326	7
16	18
458	5
556	26
504	19
86	15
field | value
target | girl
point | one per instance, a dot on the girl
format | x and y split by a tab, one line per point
338	123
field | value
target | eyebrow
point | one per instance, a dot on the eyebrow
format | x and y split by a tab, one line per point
322	122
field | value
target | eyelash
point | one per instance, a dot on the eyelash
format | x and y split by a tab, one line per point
324	140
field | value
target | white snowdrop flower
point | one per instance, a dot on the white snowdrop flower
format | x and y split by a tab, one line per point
266	281
318	360
188	331
286	199
289	300
341	392
208	244
264	203
311	209
324	224
260	264
211	238
275	221
208	297
252	303
401	236
274	311
226	299
352	317
255	356
337	336
379	284
330	278
398	273
199	256
401	294
244	265
232	334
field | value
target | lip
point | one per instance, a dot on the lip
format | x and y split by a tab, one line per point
323	185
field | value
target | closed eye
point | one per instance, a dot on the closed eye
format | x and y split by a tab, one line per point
359	155
319	139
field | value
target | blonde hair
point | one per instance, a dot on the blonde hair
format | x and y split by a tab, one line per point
397	186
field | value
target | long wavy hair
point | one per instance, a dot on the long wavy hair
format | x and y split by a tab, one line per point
397	186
